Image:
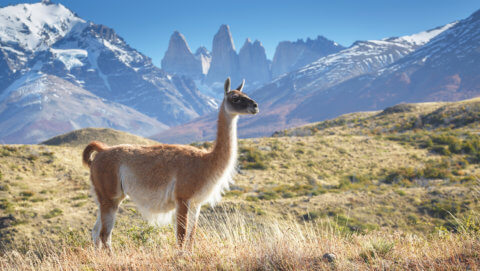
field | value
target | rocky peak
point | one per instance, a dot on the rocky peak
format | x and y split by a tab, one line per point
223	39
253	62
179	59
290	56
224	58
179	43
203	51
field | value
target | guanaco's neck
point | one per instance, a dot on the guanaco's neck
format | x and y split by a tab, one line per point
225	147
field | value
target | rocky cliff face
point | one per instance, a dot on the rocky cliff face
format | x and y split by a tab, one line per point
224	57
368	75
210	69
205	58
290	56
253	63
179	59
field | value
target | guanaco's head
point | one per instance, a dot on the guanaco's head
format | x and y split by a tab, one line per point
237	102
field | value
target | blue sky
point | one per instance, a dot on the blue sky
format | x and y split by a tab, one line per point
147	24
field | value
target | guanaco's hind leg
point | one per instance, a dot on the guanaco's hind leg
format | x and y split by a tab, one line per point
181	220
102	230
96	231
108	211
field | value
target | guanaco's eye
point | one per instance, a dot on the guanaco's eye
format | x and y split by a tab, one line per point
235	99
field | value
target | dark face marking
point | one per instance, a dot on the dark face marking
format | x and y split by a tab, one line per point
240	103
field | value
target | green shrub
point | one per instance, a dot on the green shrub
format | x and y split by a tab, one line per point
80	196
310	216
142	235
378	247
32	157
233	193
251	158
412	219
440	208
403	175
4	187
6	205
435	170
288	195
26	194
268	195
442	150
53	213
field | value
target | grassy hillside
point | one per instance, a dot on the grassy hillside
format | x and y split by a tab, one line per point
395	188
82	137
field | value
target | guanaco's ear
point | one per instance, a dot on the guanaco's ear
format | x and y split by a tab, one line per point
227	85
239	88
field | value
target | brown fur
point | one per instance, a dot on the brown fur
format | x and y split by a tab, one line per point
87	152
154	168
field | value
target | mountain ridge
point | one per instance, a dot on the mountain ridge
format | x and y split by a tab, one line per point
48	38
300	96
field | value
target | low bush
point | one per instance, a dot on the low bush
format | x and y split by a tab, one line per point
251	158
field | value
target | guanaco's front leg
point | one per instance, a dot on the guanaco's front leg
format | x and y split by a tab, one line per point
193	213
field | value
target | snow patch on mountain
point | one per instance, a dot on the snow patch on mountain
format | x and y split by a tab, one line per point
70	57
421	38
361	58
36	26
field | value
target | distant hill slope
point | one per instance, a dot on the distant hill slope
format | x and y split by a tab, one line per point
82	137
39	106
403	117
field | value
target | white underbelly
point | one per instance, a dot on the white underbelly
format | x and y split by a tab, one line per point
148	201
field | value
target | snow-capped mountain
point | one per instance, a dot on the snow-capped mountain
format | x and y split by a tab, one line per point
310	93
444	69
363	57
26	29
39	106
50	39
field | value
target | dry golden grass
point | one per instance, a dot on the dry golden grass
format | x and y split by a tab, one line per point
229	240
319	189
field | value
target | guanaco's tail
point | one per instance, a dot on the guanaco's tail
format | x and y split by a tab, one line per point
87	152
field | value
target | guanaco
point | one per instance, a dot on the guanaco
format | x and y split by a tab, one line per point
163	179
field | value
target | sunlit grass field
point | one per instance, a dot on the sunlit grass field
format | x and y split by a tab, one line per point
395	189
